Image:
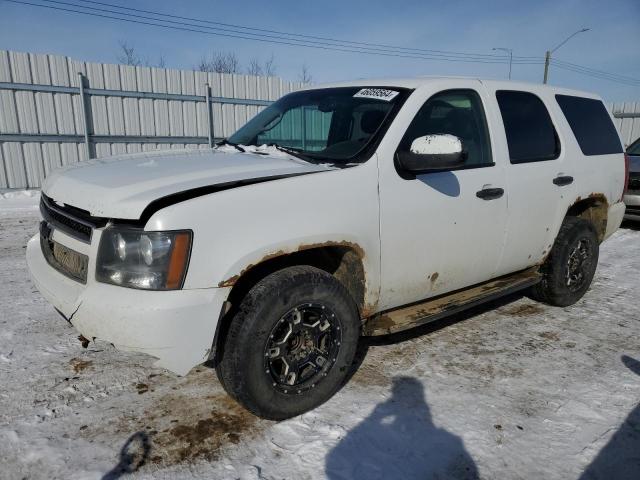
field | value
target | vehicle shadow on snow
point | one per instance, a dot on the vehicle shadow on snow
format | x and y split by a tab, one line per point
133	455
400	440
620	457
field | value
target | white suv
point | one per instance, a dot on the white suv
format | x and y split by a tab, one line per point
361	208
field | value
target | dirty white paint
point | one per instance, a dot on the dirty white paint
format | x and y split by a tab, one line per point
442	144
420	237
122	186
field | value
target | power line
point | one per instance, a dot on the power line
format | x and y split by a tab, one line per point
183	26
593	70
599	76
331	42
342	41
305	41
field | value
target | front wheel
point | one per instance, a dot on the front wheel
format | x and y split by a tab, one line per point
291	344
569	269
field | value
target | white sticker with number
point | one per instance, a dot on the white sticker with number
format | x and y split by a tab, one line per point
377	93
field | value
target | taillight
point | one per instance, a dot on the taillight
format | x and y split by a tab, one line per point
626	174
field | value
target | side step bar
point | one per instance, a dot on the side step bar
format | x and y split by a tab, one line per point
435	308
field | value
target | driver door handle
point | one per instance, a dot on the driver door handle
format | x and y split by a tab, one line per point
490	193
562	180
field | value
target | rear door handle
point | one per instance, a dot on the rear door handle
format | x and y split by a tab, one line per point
490	193
563	180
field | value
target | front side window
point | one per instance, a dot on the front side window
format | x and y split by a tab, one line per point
591	125
334	124
531	136
454	112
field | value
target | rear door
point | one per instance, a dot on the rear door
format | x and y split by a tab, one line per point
538	178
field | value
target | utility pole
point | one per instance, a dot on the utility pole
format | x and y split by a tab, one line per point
510	52
547	57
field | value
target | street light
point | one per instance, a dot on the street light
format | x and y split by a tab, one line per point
547	57
510	52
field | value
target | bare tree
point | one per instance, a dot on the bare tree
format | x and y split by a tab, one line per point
305	74
270	66
267	69
220	63
254	67
128	55
204	65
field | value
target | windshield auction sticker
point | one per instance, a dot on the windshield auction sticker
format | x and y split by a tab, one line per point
377	93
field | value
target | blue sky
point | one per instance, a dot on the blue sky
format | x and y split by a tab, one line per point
529	28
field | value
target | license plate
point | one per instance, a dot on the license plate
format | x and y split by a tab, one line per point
65	260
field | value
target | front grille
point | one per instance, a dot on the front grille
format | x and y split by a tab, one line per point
65	260
73	221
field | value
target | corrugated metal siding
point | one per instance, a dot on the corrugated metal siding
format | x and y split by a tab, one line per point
25	164
628	126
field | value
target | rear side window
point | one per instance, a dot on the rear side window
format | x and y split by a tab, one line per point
531	136
591	125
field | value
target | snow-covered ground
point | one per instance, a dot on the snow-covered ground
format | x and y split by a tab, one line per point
511	390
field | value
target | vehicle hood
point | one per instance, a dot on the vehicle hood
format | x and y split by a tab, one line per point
123	186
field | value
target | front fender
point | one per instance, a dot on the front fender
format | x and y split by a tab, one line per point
241	227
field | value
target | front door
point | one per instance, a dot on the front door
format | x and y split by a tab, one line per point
442	231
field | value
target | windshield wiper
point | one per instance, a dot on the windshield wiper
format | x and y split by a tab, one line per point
290	150
224	142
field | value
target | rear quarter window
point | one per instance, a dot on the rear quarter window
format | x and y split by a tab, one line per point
531	136
590	124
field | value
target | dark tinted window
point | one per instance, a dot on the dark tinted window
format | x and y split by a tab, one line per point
591	125
634	148
454	112
530	133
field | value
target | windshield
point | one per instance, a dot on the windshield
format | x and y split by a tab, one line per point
634	148
335	124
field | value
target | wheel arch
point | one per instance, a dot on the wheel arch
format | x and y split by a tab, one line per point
593	208
344	260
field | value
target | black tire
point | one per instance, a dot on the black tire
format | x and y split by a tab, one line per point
569	269
254	353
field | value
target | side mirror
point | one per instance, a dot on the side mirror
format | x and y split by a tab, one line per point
432	153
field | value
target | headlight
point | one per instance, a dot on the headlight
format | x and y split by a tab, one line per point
138	259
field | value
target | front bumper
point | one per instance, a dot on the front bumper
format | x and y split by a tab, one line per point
177	327
632	201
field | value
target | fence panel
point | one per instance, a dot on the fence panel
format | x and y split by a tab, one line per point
626	116
128	109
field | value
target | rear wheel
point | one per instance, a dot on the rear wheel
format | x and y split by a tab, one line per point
569	269
291	344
